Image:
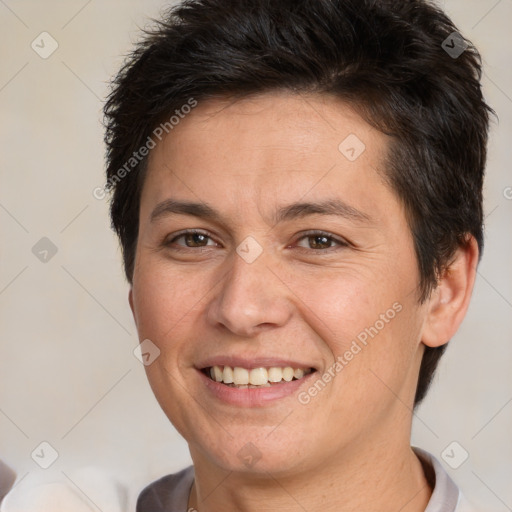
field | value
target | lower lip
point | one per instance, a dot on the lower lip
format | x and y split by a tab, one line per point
253	397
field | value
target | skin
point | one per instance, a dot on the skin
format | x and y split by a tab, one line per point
348	448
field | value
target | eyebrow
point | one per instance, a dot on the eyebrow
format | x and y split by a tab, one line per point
297	210
330	207
170	206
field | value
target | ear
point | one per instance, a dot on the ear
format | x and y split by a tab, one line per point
130	300
449	302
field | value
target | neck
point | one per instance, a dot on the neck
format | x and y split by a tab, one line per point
384	476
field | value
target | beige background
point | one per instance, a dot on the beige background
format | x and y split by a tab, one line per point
67	372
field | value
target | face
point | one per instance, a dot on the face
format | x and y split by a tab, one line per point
271	249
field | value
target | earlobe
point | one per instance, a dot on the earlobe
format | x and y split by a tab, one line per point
449	302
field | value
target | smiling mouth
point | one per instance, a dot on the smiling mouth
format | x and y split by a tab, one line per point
262	377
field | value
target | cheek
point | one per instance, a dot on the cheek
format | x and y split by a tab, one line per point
380	363
340	304
370	325
166	299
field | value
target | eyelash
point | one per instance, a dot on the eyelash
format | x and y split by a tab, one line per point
312	233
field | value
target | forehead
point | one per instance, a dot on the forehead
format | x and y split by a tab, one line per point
287	123
267	148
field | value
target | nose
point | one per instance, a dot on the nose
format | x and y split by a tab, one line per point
250	299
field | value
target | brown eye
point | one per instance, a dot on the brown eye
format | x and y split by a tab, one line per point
195	240
320	241
192	239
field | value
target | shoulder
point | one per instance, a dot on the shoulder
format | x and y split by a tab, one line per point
169	493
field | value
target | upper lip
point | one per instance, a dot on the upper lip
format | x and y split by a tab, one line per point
253	362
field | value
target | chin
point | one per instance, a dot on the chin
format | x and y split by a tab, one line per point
251	451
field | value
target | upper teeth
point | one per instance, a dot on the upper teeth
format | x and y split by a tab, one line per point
255	376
